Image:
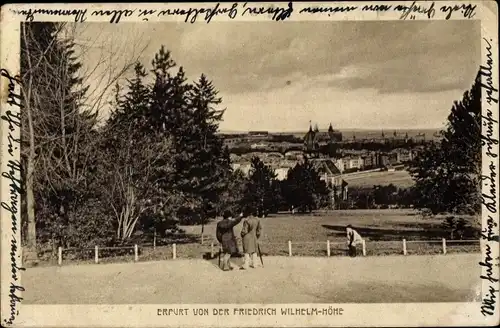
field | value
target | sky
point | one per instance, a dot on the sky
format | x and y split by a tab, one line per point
279	76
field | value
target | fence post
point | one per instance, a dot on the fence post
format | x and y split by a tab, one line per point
202	238
136	253
444	246
404	246
59	255
364	247
154	239
96	254
212	250
289	248
328	248
174	251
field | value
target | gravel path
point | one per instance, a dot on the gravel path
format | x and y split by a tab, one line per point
439	278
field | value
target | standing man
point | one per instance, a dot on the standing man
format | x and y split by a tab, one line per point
353	239
225	236
250	233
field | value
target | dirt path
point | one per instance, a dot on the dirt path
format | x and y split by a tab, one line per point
450	278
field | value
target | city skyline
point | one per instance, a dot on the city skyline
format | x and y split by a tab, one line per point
278	77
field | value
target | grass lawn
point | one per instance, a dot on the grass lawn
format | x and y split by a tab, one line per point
383	231
400	179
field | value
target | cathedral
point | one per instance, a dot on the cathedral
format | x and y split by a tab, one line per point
314	140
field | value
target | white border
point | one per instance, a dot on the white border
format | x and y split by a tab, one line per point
407	314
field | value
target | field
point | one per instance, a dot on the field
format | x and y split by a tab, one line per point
438	278
383	231
400	179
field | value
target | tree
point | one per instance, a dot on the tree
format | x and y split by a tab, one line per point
205	166
137	162
135	167
36	40
447	173
232	197
59	131
169	114
304	189
262	190
188	113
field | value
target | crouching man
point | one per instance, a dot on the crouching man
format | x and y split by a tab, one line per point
353	239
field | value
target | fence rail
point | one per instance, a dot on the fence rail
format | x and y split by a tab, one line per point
292	248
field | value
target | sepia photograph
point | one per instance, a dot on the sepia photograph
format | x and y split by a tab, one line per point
244	162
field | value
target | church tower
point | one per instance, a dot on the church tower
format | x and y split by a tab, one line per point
310	141
332	147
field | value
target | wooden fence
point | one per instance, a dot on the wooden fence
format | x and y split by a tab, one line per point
291	245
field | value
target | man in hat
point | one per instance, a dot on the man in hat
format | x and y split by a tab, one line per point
250	233
225	236
353	239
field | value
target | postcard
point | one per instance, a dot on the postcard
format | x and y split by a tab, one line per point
249	164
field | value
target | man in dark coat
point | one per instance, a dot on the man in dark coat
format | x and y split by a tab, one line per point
225	236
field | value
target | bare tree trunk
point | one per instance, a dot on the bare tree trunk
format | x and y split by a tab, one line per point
30	161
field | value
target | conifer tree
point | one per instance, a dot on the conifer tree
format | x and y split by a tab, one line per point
131	110
59	130
262	189
447	174
209	163
304	189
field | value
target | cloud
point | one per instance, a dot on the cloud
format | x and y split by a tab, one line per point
355	73
390	56
290	108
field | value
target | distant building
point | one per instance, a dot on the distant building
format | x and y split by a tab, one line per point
383	160
232	140
311	145
234	157
260	145
294	155
243	167
371	160
281	173
331	174
404	155
356	162
258	135
313	139
392	158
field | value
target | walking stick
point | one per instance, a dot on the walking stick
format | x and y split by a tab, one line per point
219	255
260	255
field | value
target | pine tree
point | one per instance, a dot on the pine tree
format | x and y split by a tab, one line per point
169	94
209	163
132	109
304	189
262	190
447	174
59	130
189	115
232	196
